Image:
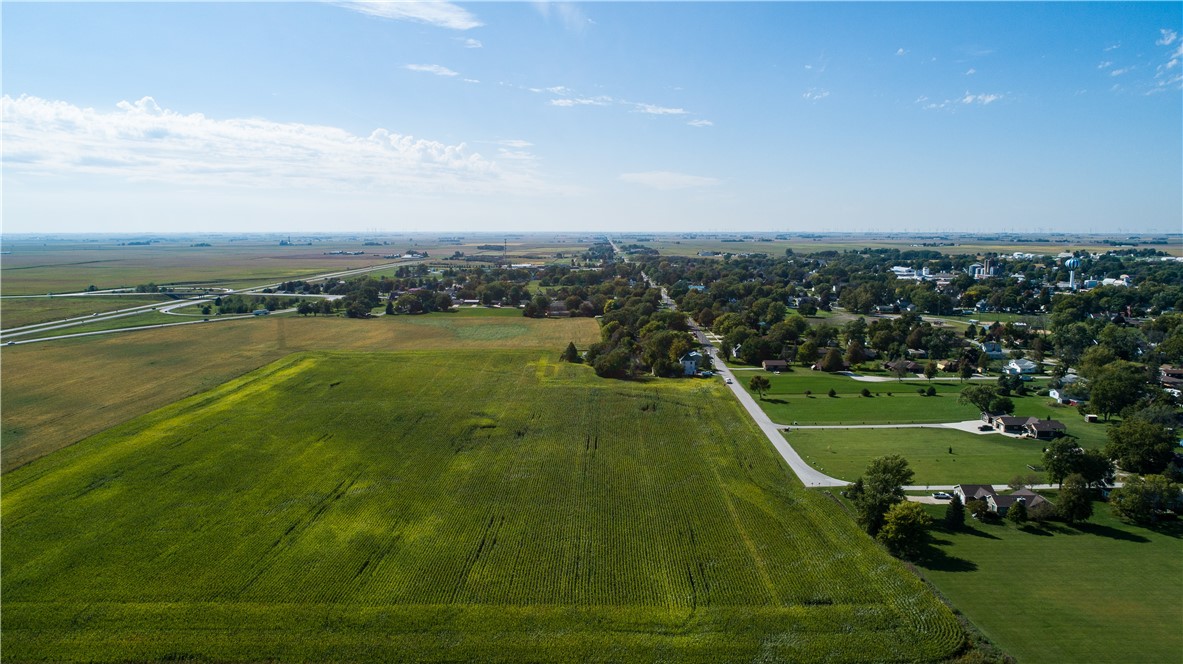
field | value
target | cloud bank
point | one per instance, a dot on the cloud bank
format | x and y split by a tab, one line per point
141	141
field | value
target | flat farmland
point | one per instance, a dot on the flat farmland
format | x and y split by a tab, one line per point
786	402
443	506
30	311
59	392
66	267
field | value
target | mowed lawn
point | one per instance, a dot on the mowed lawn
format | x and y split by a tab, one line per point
59	392
787	402
992	459
444	506
1104	591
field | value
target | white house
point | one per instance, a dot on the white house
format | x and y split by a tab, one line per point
1019	367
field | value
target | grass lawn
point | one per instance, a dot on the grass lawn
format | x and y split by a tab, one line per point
30	311
845	453
1104	591
786	401
445	506
58	392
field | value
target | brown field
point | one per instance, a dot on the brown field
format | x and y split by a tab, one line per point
59	392
669	245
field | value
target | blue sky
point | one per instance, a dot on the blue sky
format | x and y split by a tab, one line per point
602	116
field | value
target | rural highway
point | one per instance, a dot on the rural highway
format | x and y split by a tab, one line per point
10	337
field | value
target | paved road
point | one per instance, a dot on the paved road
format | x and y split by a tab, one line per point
10	337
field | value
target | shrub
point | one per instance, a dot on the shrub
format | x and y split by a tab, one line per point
833	393
866	392
930	392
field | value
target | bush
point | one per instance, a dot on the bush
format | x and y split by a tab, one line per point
866	392
930	392
920	391
832	392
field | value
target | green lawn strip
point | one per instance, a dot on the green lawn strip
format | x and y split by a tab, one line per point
18	312
1103	591
449	505
990	459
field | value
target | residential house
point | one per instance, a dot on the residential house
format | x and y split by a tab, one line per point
1000	505
774	365
691	362
908	366
1044	429
1019	367
1064	396
992	349
1010	424
968	492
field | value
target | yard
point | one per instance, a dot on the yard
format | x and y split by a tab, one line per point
1102	591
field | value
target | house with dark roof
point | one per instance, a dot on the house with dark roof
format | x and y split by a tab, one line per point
1044	429
691	362
1010	424
774	365
1000	505
908	365
968	492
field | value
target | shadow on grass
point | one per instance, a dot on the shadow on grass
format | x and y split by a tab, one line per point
1110	532
936	559
775	401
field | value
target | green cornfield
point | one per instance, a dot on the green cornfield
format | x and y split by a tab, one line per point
445	506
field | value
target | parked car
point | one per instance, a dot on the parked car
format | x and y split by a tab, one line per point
985	427
941	495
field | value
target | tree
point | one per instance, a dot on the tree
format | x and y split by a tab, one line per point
1116	385
389	308
832	361
978	509
1096	468
571	354
832	392
905	529
880	487
930	370
1017	514
965	370
1075	504
1002	404
1140	446
1142	500
855	353
807	353
1060	459
305	308
759	384
1041	512
955	513
978	396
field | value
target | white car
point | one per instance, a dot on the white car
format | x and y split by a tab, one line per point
728	381
941	495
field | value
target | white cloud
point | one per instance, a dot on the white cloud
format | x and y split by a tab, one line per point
439	14
1167	75
814	94
432	69
568	102
701	123
967	99
471	80
983	100
141	141
667	180
1111	47
473	43
1168	37
1105	64
1119	72
901	52
515	143
557	89
571	16
658	110
971	71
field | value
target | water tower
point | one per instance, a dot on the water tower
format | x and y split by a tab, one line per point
1072	264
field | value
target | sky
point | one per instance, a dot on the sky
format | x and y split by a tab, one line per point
601	116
